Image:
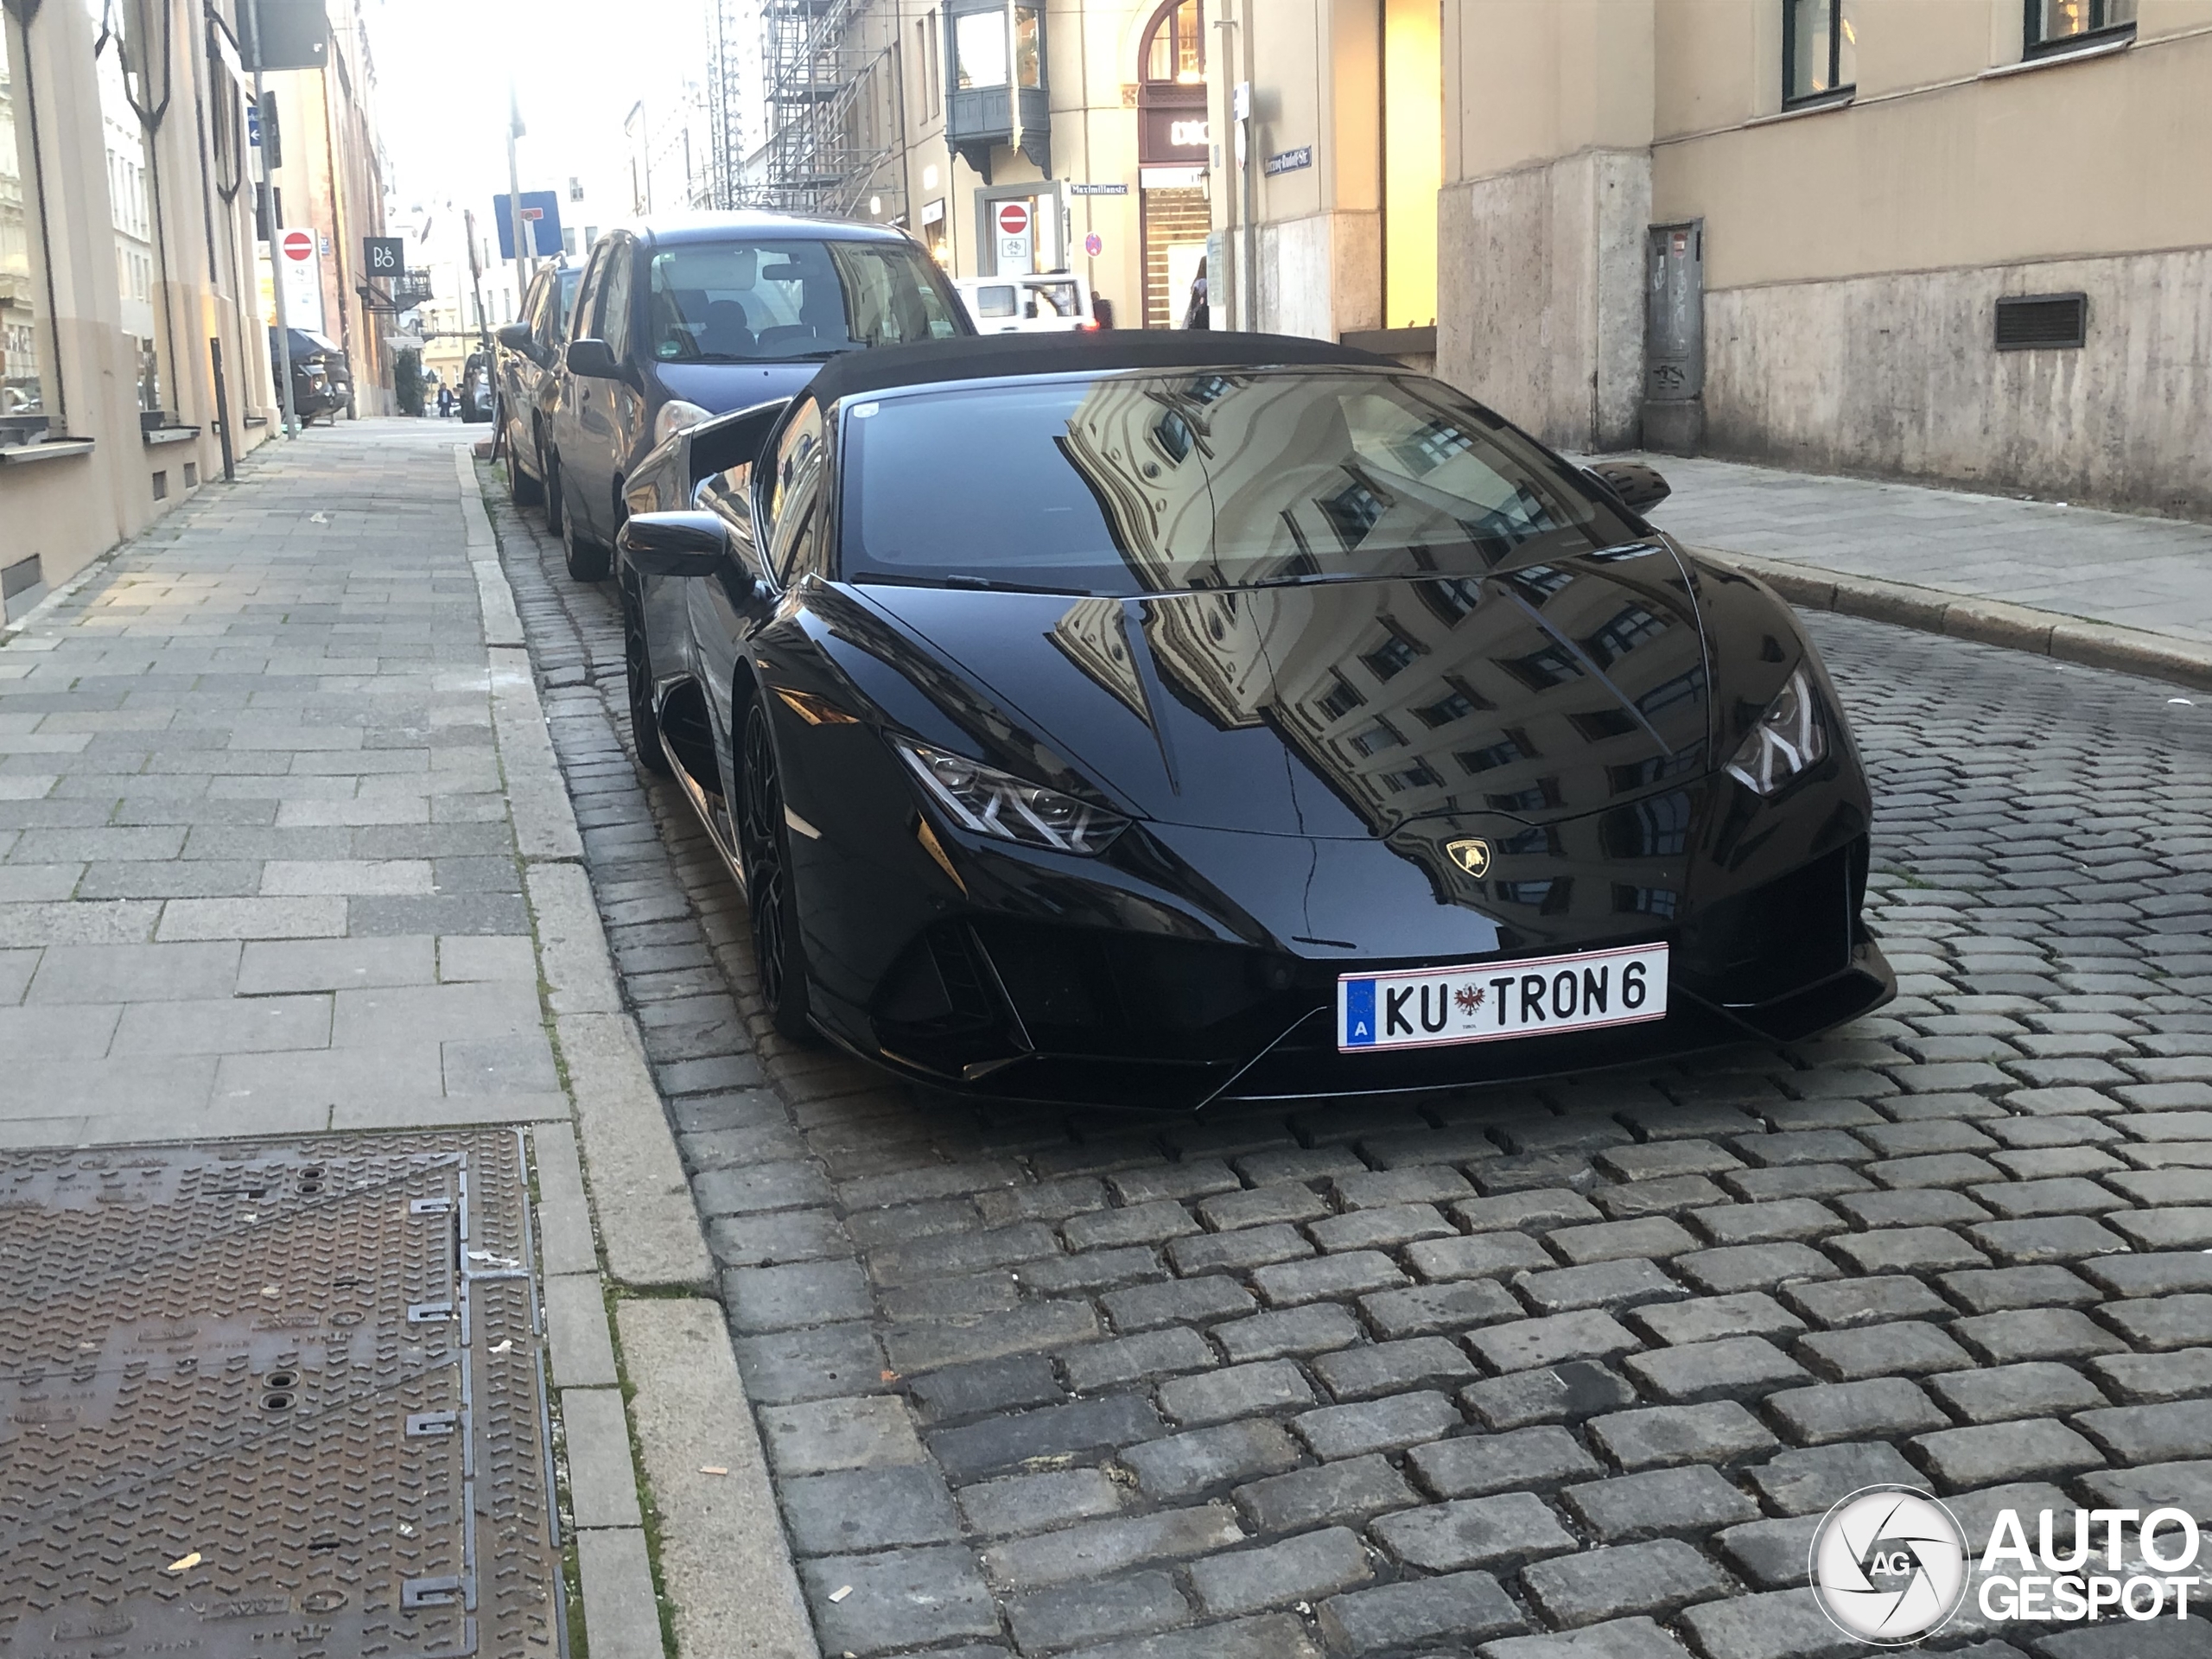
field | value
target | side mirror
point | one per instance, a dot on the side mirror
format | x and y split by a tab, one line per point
674	543
515	336
1637	486
592	359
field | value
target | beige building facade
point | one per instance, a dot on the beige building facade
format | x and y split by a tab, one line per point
134	352
1963	240
1087	124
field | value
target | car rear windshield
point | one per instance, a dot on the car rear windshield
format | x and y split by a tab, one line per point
1140	483
755	301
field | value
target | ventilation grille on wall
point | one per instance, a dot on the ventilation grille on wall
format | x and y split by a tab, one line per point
2031	322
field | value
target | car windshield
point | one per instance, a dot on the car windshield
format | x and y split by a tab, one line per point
748	302
1128	483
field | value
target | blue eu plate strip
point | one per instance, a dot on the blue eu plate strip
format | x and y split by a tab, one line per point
1359	1013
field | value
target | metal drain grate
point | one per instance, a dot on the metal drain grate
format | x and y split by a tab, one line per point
277	1398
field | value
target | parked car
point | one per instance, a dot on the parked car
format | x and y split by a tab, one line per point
1060	303
323	379
678	320
478	400
1171	717
525	356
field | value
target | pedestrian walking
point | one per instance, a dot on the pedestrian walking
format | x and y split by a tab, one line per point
1198	314
445	403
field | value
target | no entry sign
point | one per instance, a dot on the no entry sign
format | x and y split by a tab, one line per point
1014	218
298	244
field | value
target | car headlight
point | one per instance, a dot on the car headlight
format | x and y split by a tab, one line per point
994	803
1788	739
674	416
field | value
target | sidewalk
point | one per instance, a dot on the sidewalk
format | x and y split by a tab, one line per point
2019	570
286	864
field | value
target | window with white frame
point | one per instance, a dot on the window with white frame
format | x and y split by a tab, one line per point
22	382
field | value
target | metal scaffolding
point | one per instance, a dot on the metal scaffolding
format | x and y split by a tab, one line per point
734	30
832	94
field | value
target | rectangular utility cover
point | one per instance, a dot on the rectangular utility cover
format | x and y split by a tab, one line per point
214	1400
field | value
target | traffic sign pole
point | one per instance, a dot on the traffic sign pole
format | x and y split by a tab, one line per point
275	277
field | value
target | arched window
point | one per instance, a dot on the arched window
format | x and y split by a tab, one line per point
1175	47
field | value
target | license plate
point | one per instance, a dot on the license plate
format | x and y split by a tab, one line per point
1489	1001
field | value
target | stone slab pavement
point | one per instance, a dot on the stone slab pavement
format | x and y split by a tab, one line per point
2128	570
283	851
1566	1372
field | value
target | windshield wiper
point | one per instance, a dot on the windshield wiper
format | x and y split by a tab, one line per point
962	581
1311	579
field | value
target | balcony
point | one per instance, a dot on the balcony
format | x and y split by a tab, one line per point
997	97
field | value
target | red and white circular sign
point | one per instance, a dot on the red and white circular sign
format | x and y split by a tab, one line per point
1014	218
298	244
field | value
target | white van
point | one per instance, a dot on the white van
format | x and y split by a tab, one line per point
1057	303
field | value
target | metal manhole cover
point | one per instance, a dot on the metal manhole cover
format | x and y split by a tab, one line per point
277	1398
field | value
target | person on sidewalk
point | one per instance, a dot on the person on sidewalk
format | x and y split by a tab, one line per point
1198	313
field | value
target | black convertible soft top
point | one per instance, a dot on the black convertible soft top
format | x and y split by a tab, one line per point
992	356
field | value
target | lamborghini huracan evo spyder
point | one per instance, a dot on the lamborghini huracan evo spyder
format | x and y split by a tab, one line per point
1154	719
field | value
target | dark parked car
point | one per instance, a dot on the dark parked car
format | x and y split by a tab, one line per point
528	352
677	320
1155	719
323	379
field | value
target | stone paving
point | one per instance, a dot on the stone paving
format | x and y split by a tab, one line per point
1564	1373
256	869
2109	567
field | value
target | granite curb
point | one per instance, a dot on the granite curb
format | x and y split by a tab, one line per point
1987	621
667	1480
648	1227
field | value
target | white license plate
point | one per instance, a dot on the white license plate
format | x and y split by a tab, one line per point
1487	1002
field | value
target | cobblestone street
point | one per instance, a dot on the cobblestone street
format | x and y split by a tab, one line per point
1571	1371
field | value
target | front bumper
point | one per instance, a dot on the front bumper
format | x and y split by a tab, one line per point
1017	1009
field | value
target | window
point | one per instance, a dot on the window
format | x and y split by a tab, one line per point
2055	24
1819	50
1340	699
1176	52
1028	48
926	61
1634	627
742	302
1393	655
137	271
979	49
793	489
1376	737
614	301
23	386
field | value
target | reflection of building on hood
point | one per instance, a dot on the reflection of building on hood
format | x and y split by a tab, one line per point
1382	686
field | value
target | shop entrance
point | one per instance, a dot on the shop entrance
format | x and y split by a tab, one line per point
1171	152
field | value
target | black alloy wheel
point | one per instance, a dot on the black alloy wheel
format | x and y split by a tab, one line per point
763	845
638	671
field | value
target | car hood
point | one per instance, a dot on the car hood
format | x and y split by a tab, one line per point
719	388
1346	709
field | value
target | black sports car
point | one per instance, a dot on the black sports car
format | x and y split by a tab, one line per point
1156	719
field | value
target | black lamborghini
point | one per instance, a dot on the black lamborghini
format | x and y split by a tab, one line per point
1155	719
